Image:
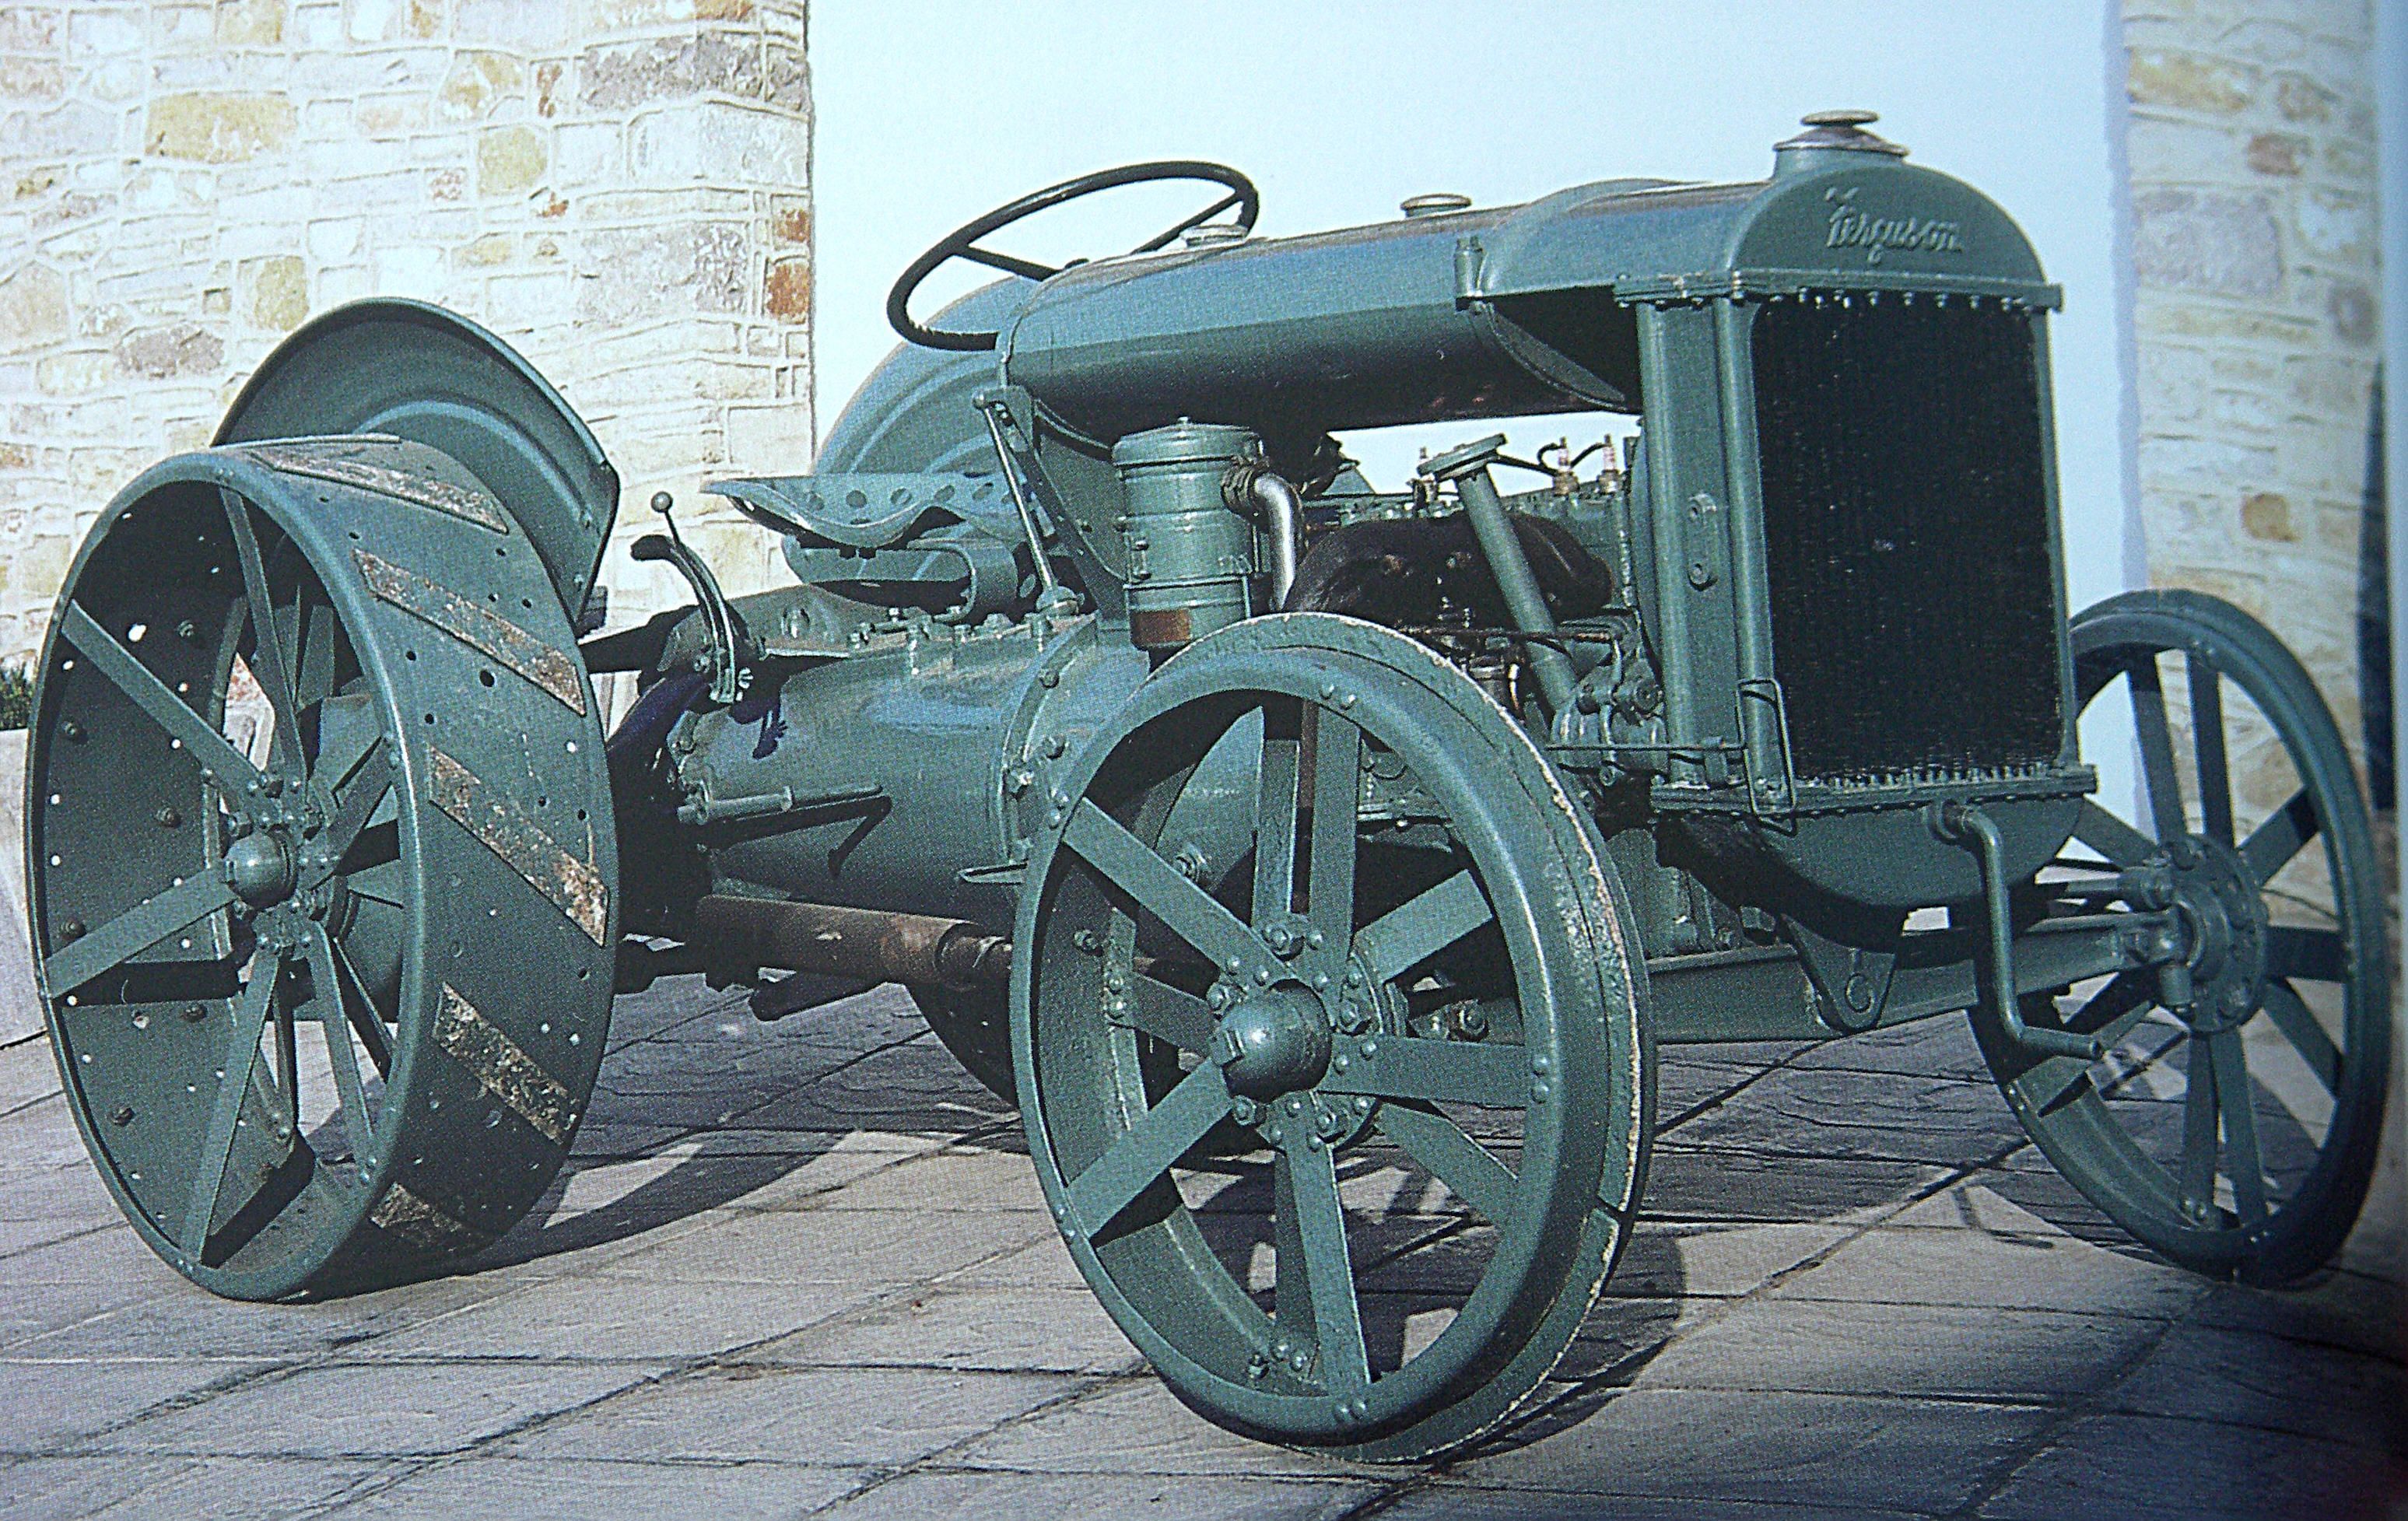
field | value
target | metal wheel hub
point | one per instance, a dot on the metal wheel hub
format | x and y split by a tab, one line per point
261	867
1309	1119
2224	918
1272	1042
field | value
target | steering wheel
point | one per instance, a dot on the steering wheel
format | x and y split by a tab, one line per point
962	243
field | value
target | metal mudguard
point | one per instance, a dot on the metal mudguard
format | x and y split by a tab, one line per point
417	371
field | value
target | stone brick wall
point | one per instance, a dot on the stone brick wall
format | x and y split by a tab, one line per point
618	188
2252	154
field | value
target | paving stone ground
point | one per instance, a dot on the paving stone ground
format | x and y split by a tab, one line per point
801	1270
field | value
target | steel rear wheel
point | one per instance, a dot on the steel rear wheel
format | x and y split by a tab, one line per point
2235	1133
1326	1022
322	866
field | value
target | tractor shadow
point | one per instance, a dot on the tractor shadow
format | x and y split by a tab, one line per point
702	1109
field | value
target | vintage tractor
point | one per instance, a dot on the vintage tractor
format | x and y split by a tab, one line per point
1318	865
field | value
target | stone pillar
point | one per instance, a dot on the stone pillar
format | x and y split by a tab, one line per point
618	188
2252	154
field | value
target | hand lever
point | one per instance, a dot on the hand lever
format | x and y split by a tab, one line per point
727	675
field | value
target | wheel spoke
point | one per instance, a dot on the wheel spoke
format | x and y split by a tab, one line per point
352	815
1190	912
2317	955
2271	846
241	1060
1011	264
1414	931
364	1017
2298	1025
331	1010
1164	239
2237	1099
1146	1150
1275	815
1337	786
1329	1271
288	1067
271	662
1453	1158
318	629
2157	747
1292	1288
2111	836
382	882
2198	1134
217	755
2207	740
1450	1072
2111	1013
1170	1014
133	932
336	765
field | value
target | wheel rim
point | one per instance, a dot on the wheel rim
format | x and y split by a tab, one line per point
2236	1135
278	978
1439	1012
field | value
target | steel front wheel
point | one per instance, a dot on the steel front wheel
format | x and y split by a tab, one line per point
2233	1120
322	875
1326	1022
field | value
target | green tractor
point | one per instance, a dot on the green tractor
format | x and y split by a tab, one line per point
1261	831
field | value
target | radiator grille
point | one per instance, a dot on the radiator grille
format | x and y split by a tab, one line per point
1907	537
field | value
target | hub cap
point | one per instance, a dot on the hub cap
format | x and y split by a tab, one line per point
260	867
1273	1043
2225	918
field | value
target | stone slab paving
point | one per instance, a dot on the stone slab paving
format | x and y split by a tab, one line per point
802	1270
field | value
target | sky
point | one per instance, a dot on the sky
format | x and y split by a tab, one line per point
931	112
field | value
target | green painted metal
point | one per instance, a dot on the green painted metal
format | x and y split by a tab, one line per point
1188	552
415	371
328	1001
2278	1029
1280	1007
1672	753
1489	313
914	411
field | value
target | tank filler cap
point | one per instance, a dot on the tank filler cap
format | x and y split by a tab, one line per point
1830	133
1437	203
1213	235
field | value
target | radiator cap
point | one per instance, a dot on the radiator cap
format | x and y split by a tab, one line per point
1828	134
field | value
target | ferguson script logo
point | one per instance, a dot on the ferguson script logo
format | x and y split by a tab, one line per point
1853	227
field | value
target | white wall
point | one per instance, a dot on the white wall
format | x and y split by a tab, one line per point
930	114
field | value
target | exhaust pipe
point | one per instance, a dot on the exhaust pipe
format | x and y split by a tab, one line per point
740	936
